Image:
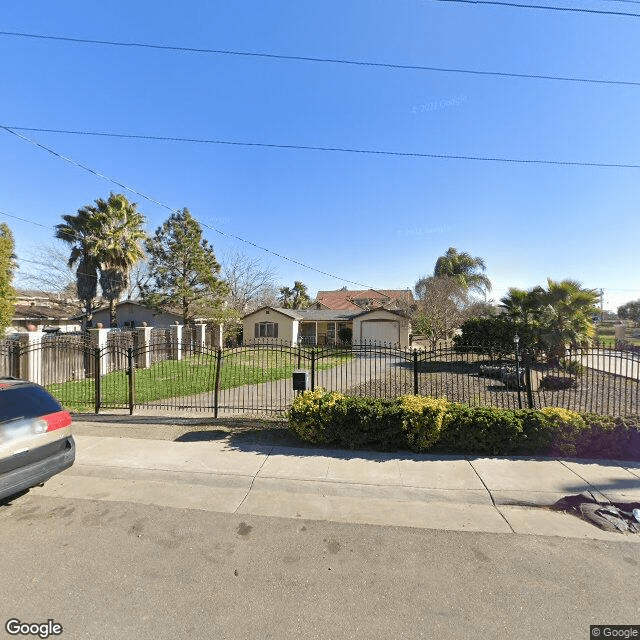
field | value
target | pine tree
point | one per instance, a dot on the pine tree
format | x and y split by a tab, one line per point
7	267
183	269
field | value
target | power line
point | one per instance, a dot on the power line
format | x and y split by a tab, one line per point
500	3
8	215
165	206
377	152
343	61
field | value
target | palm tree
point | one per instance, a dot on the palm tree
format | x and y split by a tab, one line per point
568	311
81	233
119	246
465	269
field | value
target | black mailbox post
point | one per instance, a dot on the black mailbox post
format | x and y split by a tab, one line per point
300	380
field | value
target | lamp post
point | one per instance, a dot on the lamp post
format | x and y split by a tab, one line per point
516	341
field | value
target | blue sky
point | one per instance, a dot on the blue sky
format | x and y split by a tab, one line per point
377	220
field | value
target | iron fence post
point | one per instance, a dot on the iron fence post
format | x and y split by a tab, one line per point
415	372
526	357
97	378
518	377
216	388
132	386
313	370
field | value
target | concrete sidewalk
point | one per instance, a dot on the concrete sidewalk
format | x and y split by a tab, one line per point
499	495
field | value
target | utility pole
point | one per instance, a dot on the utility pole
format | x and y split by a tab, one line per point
601	305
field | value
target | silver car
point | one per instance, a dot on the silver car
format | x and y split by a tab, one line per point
35	436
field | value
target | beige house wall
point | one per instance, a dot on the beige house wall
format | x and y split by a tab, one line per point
287	327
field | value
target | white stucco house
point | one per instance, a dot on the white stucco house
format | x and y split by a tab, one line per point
322	326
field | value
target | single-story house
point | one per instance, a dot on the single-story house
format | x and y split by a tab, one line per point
44	318
132	314
322	326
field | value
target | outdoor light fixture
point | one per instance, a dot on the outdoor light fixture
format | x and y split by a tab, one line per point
516	339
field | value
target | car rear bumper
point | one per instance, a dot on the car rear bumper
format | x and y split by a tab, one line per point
29	468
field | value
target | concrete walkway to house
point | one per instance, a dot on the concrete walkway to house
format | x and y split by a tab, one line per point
210	469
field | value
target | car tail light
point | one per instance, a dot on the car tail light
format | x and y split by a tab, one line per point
58	420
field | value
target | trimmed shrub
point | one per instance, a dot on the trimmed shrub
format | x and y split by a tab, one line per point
307	416
609	438
364	423
422	418
428	424
480	431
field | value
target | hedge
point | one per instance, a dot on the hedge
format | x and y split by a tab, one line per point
422	423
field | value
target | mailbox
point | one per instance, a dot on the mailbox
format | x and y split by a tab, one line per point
300	380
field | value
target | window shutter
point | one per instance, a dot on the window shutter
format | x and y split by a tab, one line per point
257	330
275	329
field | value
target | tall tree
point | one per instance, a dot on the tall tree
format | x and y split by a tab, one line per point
251	282
81	232
442	306
465	269
7	269
119	245
183	269
630	311
295	298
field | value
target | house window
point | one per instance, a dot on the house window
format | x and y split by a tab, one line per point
266	330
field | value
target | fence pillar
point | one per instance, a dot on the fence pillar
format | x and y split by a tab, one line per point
98	339
31	360
176	341
415	372
143	355
199	337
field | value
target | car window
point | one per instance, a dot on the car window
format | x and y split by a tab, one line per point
26	402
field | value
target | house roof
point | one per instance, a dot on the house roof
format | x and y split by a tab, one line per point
134	303
350	300
323	315
39	312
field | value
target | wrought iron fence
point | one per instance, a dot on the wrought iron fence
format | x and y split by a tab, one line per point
257	377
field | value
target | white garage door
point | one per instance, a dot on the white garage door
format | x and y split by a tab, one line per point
381	331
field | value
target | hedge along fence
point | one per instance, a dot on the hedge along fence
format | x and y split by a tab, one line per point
425	424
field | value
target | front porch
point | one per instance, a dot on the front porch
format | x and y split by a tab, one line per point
322	333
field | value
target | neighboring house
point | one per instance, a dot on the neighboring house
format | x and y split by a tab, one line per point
132	314
347	300
46	311
322	326
50	319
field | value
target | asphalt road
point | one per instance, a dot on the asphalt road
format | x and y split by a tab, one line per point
111	570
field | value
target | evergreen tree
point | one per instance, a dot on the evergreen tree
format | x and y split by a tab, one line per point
295	298
7	267
183	269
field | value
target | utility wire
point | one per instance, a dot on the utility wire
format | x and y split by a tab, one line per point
44	226
343	61
171	209
543	7
377	152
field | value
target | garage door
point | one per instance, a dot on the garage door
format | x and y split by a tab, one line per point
381	331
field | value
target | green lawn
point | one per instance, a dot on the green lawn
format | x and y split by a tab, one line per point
190	376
